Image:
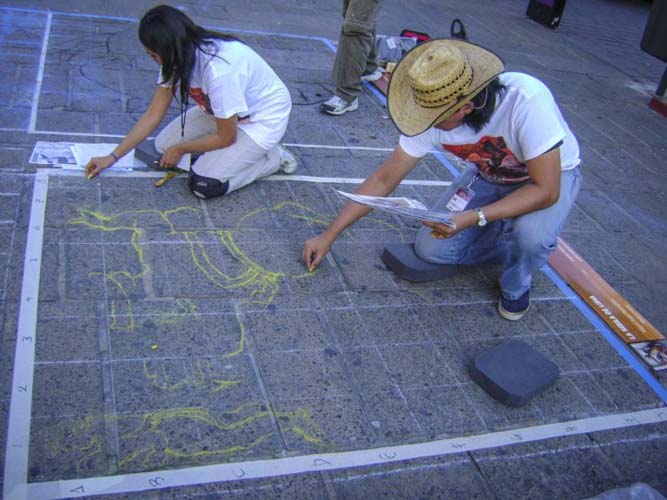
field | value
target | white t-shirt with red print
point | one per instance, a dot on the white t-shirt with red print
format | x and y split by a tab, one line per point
525	124
237	81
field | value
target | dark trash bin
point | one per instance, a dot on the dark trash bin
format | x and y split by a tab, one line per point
654	40
547	12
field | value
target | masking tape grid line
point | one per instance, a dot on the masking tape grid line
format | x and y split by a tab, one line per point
276	177
333	461
40	74
18	431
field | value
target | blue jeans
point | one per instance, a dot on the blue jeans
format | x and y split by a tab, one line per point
522	244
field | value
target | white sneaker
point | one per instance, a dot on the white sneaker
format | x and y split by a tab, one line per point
371	77
288	163
337	106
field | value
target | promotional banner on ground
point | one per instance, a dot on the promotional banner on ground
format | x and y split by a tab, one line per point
607	303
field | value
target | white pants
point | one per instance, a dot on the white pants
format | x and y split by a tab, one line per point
239	164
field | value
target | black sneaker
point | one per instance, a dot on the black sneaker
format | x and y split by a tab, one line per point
514	310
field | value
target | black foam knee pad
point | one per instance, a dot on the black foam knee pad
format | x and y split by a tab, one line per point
206	187
147	153
402	260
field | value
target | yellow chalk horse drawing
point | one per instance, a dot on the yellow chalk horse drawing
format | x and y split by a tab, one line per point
146	441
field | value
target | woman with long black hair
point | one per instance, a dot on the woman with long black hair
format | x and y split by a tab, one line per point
241	113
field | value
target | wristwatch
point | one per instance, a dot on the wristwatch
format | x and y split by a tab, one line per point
481	218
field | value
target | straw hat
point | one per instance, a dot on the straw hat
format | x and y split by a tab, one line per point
435	79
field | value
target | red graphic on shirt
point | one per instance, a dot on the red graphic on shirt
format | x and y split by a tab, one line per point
494	160
201	99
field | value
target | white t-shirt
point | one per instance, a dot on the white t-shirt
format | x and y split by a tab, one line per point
237	81
525	124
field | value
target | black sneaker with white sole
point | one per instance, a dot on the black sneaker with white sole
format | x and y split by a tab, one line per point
514	310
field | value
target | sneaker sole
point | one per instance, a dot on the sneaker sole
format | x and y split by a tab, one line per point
370	78
338	113
332	111
289	169
510	315
288	165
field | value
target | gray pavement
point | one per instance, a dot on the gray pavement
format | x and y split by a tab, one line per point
172	334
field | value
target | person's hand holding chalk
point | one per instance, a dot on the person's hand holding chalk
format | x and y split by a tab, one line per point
97	164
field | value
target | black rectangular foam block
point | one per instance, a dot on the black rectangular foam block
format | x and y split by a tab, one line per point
146	152
513	372
402	260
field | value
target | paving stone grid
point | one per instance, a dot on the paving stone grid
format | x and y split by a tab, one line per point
173	332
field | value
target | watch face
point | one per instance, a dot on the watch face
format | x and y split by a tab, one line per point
481	219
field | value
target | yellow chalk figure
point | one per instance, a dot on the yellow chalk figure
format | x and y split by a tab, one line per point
260	283
77	445
121	311
160	439
202	377
226	435
180	310
149	441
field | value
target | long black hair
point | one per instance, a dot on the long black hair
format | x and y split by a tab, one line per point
176	38
485	105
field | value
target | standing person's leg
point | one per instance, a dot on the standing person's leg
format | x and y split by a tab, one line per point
355	45
372	61
222	171
532	237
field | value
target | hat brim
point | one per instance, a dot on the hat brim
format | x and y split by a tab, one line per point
412	119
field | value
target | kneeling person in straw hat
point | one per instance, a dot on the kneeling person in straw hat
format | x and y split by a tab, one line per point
512	204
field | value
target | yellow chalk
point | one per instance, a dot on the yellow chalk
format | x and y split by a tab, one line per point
154	347
169	175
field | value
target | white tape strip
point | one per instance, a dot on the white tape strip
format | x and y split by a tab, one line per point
80	134
331	461
347	180
124	172
18	432
349	148
294	178
40	74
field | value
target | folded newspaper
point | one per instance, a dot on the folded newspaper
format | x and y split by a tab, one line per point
401	206
74	156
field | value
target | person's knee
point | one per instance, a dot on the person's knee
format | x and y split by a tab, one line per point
357	29
424	250
534	242
161	143
433	250
206	187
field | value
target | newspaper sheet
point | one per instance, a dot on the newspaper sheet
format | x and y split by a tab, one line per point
401	206
74	156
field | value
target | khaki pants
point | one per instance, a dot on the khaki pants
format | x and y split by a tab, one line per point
356	54
239	164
